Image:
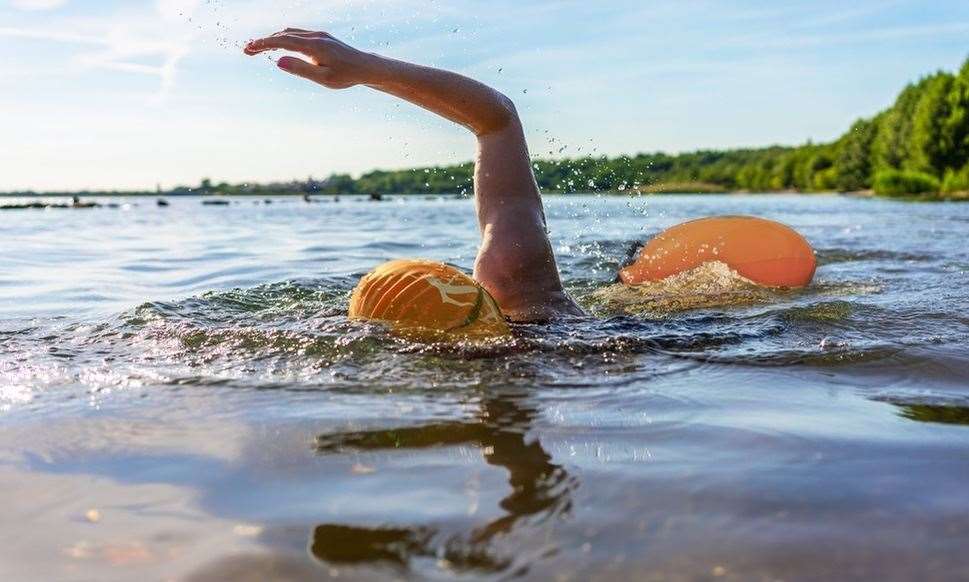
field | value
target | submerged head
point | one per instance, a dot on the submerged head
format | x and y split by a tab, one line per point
418	295
763	251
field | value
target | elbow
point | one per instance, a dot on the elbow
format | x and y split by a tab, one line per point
506	108
502	115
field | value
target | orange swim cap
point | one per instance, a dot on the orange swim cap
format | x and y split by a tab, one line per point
766	252
416	294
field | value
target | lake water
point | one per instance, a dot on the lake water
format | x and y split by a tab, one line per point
183	397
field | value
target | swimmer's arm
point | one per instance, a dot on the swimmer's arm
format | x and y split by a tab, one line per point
336	65
515	262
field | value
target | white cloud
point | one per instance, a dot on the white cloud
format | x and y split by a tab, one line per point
51	35
37	4
130	42
154	37
118	50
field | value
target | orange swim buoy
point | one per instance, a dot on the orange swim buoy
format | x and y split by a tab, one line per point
425	295
766	252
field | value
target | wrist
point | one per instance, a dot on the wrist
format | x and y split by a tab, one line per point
371	69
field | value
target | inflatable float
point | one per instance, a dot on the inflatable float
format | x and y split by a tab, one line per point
765	252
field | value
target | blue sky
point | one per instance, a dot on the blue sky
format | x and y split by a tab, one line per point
127	94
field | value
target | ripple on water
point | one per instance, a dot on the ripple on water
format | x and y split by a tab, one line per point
829	256
297	331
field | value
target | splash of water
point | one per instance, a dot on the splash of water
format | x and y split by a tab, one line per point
712	284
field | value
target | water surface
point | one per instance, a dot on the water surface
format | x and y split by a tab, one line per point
183	397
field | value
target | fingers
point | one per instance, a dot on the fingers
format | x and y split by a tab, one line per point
301	68
287	42
316	35
304	33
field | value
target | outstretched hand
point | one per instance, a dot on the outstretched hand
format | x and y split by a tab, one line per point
329	61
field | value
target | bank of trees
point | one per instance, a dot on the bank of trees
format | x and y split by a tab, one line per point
918	145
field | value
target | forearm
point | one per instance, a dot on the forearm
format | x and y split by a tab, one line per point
470	103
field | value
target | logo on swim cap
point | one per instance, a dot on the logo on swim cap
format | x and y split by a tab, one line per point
416	294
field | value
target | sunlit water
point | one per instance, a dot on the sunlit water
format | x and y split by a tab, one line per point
183	397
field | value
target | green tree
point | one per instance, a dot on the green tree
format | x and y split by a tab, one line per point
339	184
956	180
905	182
955	127
930	150
853	160
892	141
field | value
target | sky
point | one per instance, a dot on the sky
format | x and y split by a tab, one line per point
130	94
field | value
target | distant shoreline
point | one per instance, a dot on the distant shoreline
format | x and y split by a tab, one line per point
660	190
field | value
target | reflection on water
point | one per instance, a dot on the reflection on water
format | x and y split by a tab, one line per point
935	413
540	489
